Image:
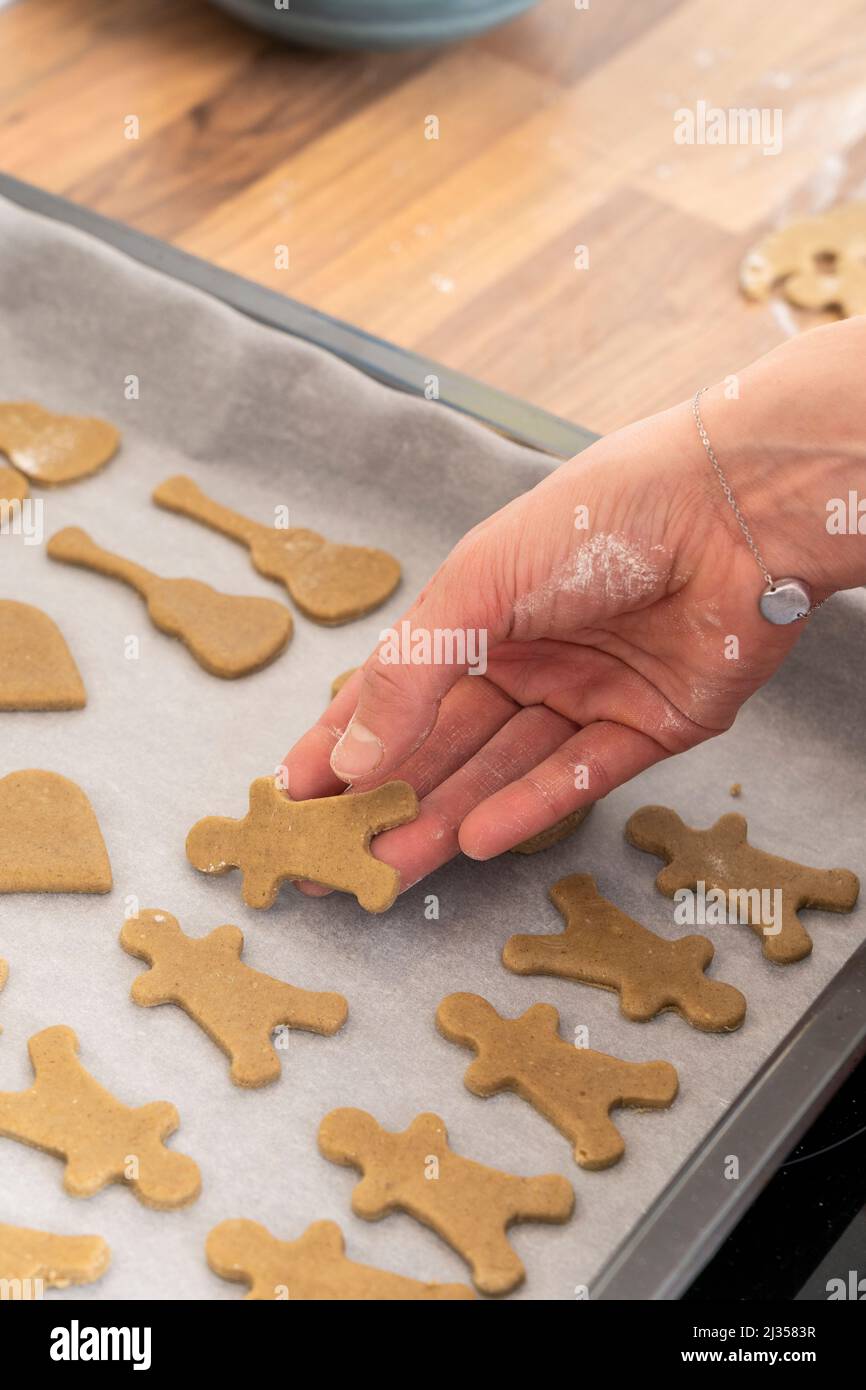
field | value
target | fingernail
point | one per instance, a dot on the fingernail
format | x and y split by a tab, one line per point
358	753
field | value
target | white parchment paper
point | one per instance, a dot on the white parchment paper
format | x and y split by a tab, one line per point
261	420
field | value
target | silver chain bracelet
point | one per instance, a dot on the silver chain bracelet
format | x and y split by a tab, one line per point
783	601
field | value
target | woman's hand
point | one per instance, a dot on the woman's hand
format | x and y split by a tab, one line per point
618	601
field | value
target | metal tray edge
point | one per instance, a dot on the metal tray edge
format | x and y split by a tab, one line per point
700	1207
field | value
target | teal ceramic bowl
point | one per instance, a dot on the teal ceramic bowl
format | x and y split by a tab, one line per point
375	24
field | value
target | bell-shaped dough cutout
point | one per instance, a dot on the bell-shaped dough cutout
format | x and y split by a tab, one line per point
52	448
50	841
37	671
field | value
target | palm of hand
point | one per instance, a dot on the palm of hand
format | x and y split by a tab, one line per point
607	652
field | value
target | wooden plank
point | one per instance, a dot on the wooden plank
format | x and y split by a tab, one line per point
72	122
265	112
629	334
555	131
349	184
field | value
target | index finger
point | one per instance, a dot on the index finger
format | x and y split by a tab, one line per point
307	764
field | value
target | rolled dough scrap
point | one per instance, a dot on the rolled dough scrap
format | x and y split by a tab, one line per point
554	833
330	583
229	636
603	946
312	1268
572	1087
13	486
326	840
53	448
239	1008
37	671
339	681
56	1261
469	1205
68	1114
816	263
50	841
722	858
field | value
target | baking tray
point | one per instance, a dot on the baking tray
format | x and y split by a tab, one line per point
234	393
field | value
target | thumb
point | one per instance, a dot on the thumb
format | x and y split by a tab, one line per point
446	633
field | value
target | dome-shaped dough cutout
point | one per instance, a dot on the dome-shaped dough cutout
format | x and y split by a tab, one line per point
50	841
53	448
13	486
37	671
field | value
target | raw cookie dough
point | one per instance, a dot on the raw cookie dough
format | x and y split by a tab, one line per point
68	1114
572	1087
313	1268
469	1205
816	263
13	486
53	448
554	833
37	671
326	840
229	636
50	841
330	583
721	858
339	681
239	1008
55	1261
603	946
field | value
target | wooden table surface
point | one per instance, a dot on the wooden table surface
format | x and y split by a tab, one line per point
555	133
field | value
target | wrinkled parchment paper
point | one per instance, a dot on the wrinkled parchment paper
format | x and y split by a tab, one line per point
261	420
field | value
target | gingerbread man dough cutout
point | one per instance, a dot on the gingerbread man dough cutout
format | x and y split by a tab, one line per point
721	858
469	1205
53	448
54	1261
603	946
330	583
239	1008
67	1113
326	840
573	1087
312	1268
